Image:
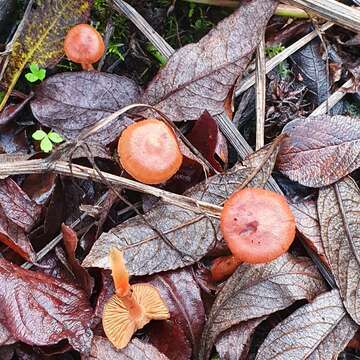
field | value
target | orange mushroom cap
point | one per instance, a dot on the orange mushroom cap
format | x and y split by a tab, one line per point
132	307
257	225
84	45
149	151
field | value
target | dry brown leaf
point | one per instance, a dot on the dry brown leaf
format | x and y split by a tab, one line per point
101	349
320	330
193	234
320	150
200	76
258	290
339	209
235	342
307	223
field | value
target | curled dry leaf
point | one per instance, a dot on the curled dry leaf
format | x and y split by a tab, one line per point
254	291
18	215
192	234
178	337
320	330
101	349
38	309
320	150
200	76
235	342
71	102
40	40
339	208
307	223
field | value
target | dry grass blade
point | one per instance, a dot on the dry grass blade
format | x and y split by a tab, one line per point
260	93
332	10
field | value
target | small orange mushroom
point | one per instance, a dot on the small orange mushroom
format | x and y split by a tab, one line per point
223	267
149	151
132	306
257	225
84	45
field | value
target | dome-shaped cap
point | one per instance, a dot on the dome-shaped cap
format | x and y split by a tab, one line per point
149	151
257	225
84	45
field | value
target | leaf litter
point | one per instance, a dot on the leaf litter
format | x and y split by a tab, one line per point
196	84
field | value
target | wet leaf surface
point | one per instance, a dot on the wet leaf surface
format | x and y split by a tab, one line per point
339	208
178	338
307	223
320	150
235	342
102	349
191	233
71	102
254	291
200	76
41	310
40	41
320	330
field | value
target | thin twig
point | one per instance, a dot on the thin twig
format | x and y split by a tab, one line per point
260	93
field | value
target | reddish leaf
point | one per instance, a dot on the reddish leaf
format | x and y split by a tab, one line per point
178	338
339	209
39	187
207	138
71	241
254	291
41	310
200	76
320	150
5	336
235	342
71	102
319	330
17	206
102	349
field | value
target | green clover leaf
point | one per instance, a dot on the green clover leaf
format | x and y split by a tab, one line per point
46	145
55	137
39	135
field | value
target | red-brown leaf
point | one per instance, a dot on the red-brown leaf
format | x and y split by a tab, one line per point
38	309
200	76
320	150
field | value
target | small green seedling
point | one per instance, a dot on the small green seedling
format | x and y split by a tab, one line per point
282	68
156	54
47	139
35	74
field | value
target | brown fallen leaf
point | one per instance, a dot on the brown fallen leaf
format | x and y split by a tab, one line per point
339	208
235	342
71	102
320	330
255	291
307	223
200	76
101	349
320	150
192	234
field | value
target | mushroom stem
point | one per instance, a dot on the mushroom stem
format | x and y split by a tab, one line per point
87	67
136	311
119	274
223	267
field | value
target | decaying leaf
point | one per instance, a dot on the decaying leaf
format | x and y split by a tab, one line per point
254	291
5	336
339	208
40	41
38	309
71	102
235	342
320	150
102	349
307	223
320	330
192	234
200	76
178	337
